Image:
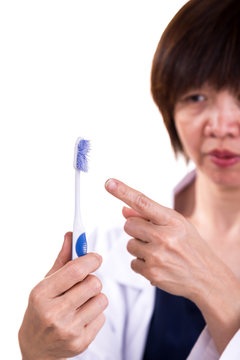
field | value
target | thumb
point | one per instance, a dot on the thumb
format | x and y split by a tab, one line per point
129	212
64	255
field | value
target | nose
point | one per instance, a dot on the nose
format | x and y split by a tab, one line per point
224	119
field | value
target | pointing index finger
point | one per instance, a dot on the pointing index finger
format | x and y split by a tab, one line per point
151	210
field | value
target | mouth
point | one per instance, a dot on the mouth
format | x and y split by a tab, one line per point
224	158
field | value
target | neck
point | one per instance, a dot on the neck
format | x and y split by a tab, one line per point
216	204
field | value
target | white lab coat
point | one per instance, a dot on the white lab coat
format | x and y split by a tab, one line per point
131	303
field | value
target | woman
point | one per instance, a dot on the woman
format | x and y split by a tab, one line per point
194	250
191	251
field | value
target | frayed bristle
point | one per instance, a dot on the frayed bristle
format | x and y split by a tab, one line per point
82	148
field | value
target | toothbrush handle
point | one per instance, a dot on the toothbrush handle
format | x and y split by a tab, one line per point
81	245
79	242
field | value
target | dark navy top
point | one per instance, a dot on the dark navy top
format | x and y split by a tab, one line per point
175	326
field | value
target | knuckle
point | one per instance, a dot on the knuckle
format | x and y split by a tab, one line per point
129	226
35	296
156	281
153	282
126	226
76	270
95	283
54	323
135	266
64	333
77	346
156	235
152	275
141	201
88	337
176	238
95	259
102	301
130	245
83	345
179	223
156	257
153	258
171	243
163	258
50	318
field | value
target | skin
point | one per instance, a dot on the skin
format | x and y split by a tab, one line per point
194	252
206	119
182	252
65	310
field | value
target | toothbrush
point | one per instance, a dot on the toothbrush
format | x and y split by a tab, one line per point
79	242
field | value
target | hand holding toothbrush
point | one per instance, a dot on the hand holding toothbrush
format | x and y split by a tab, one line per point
65	310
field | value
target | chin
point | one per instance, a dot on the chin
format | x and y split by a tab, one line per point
223	177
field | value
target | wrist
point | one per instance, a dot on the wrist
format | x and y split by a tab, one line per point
28	353
220	306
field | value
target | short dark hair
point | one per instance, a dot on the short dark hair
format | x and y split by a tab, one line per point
200	45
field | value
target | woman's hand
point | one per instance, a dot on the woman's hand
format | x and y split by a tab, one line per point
171	254
168	249
65	310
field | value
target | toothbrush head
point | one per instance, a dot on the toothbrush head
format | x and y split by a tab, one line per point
82	148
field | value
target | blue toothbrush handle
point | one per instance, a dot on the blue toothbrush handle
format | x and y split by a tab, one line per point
81	245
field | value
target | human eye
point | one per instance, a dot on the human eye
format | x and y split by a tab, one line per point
194	98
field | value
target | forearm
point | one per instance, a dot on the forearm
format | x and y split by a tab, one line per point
220	306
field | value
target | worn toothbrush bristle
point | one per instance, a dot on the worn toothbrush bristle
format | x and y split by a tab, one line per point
82	148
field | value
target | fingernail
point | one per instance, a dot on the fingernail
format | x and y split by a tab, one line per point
111	185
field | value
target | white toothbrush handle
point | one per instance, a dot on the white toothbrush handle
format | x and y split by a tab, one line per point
79	243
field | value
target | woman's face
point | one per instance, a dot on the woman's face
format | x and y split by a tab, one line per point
208	125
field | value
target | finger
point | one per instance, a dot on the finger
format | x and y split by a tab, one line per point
128	212
146	207
88	333
64	255
81	293
91	309
137	248
71	273
141	229
138	266
94	326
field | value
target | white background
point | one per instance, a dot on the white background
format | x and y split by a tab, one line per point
69	69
